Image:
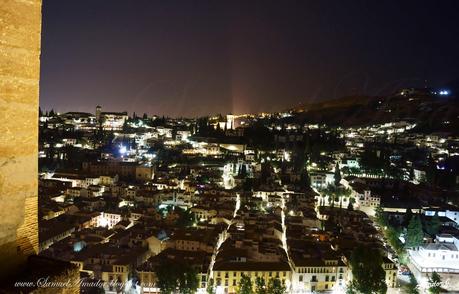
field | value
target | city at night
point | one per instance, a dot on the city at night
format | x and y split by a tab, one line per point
229	147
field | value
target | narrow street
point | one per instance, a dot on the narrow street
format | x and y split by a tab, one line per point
224	235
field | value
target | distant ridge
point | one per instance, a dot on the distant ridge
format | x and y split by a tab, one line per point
336	102
432	113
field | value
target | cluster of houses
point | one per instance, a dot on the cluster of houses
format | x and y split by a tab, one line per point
226	208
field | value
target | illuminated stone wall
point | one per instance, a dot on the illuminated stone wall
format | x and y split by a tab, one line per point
20	33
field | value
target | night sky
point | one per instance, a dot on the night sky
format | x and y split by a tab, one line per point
188	58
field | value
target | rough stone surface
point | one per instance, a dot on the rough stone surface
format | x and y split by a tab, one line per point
20	34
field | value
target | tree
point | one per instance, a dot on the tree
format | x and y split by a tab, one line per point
173	276
275	286
188	281
412	287
186	218
337	175
210	289
345	192
434	283
367	271
433	225
350	205
166	278
305	180
260	286
407	217
393	235
414	234
332	192
245	285
125	126
336	193
380	216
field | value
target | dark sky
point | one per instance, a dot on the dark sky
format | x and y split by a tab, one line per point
187	58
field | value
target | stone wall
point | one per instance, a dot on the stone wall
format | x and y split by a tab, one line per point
20	34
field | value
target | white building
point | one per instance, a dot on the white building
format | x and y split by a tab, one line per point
79	120
74	192
163	131
108	219
108	180
182	135
364	199
441	257
321	180
113	120
450	212
350	163
311	275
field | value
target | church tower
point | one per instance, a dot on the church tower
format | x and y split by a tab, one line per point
98	111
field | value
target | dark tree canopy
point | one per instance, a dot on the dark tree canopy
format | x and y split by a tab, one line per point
433	225
260	286
412	287
434	283
367	271
245	285
176	275
337	176
414	233
210	289
275	286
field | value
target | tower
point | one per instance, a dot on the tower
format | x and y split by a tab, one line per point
230	122
20	28
98	111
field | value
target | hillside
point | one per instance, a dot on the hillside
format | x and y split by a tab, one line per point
433	113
